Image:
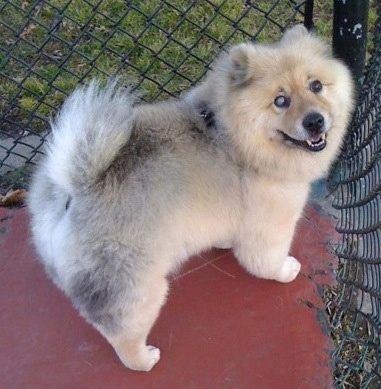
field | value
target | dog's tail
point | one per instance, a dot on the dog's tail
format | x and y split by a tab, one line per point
92	126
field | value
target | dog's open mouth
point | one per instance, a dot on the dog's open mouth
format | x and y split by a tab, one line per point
314	143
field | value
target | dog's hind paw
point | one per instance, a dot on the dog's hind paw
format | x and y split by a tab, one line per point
144	360
152	357
289	270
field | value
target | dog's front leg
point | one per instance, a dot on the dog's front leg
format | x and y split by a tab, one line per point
272	209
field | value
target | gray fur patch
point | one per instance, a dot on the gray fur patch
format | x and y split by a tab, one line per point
99	290
149	142
140	147
94	296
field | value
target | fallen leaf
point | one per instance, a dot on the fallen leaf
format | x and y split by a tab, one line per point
13	197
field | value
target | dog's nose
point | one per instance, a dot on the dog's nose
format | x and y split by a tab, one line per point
314	123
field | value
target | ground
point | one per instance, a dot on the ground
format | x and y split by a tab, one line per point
220	328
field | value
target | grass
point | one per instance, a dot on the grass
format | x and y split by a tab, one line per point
47	48
351	331
161	48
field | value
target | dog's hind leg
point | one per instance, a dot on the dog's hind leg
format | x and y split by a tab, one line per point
121	300
136	323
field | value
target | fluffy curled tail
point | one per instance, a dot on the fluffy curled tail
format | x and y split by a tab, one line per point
92	126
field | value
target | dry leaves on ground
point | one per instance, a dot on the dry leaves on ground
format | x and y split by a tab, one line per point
13	197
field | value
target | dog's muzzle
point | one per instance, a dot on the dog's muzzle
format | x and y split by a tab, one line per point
314	125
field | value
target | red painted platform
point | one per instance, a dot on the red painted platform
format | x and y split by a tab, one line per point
220	328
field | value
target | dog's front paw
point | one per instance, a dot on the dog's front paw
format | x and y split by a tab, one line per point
289	270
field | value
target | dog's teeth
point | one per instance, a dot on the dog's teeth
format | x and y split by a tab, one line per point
317	143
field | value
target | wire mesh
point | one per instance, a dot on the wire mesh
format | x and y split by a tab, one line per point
356	317
159	47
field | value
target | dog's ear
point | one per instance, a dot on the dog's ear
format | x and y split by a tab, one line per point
299	35
294	34
247	62
239	69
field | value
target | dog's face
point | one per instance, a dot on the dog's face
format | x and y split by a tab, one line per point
300	115
288	103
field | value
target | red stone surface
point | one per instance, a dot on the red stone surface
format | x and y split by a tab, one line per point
220	328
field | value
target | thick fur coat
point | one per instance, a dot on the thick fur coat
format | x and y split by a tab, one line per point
128	191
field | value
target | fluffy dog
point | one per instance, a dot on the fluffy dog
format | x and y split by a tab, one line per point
128	191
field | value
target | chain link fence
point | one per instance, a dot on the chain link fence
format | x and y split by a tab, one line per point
159	47
356	309
162	48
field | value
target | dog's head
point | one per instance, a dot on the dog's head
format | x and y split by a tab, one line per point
286	104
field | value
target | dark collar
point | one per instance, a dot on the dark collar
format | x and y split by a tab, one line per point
206	113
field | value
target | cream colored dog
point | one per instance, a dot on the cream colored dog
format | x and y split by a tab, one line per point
127	192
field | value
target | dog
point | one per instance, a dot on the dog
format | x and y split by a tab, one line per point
128	191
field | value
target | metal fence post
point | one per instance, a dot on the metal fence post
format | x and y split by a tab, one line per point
308	14
350	26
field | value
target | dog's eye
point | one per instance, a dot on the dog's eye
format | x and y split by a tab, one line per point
282	101
316	86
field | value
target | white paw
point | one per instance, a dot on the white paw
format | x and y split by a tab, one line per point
145	360
289	270
152	357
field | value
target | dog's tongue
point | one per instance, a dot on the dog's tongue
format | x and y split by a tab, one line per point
315	138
